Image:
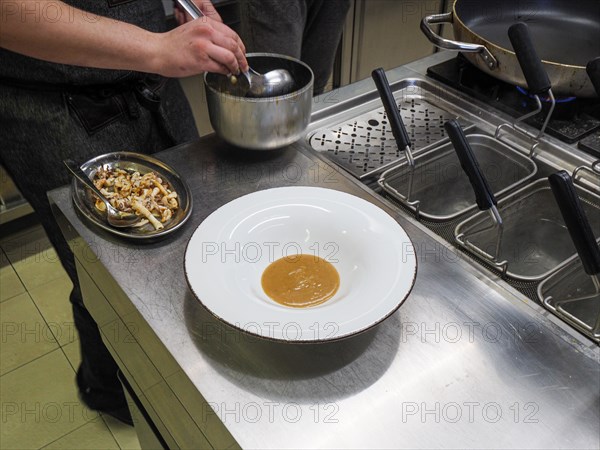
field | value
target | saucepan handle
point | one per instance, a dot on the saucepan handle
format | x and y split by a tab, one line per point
531	64
449	44
483	194
190	7
389	103
576	221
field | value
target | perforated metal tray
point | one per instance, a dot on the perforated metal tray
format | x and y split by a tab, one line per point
365	145
439	190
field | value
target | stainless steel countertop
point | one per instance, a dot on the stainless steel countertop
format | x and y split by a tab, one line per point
466	362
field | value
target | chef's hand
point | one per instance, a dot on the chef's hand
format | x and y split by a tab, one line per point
205	6
200	46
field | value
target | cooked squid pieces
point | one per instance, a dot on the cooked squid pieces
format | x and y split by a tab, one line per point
300	281
147	195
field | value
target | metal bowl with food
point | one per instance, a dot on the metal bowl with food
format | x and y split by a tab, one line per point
262	123
133	163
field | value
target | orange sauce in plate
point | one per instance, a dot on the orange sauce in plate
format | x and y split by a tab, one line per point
300	281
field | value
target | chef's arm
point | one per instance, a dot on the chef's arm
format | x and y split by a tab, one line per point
83	39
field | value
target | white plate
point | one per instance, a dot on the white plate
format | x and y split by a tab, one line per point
372	253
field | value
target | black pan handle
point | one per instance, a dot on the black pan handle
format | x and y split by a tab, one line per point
389	103
593	70
483	194
576	220
531	64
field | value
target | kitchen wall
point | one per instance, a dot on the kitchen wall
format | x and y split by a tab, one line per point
384	33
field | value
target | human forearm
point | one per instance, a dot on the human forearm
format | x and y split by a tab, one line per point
80	38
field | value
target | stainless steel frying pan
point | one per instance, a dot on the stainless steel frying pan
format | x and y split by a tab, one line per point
566	34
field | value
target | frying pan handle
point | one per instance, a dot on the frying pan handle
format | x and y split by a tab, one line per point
593	70
531	64
483	194
448	44
190	7
576	220
389	103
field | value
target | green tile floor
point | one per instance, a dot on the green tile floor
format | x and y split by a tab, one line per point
39	352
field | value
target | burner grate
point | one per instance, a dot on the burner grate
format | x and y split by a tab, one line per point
569	131
572	120
365	145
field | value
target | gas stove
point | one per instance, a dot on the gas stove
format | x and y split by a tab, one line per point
353	133
575	120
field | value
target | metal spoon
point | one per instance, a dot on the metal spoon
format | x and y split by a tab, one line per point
271	84
114	217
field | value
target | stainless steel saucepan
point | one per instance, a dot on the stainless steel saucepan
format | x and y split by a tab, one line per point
262	123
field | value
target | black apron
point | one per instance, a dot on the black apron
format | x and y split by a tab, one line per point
50	112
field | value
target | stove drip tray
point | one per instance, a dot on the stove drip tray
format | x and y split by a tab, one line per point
365	145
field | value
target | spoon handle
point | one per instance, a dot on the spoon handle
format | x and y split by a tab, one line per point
191	8
81	176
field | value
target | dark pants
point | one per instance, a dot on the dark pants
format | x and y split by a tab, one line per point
308	30
38	130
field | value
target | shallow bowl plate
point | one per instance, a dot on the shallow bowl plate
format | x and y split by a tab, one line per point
372	253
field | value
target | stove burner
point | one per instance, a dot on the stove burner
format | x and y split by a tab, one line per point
572	120
544	99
